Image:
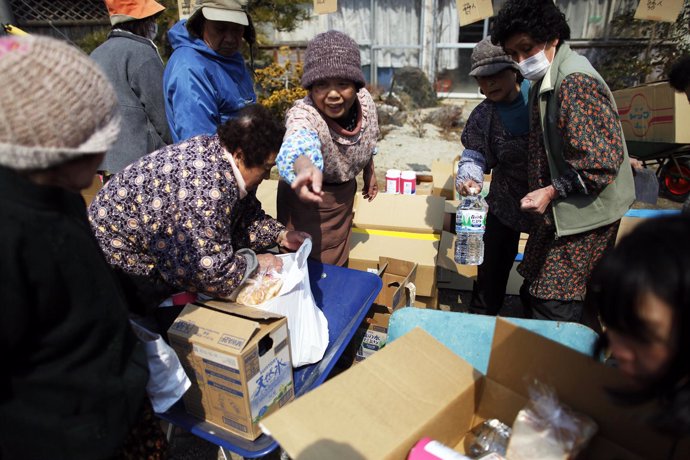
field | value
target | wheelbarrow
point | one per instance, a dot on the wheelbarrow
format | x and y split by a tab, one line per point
672	162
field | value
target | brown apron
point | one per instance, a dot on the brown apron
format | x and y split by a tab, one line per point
328	222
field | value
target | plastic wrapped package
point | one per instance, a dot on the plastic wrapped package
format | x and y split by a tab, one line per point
547	429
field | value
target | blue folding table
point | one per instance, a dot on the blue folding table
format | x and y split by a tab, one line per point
344	295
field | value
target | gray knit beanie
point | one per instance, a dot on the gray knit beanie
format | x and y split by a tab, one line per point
489	59
332	54
55	104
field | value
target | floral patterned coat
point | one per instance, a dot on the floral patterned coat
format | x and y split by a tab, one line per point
176	215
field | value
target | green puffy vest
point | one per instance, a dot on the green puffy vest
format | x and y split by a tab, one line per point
578	213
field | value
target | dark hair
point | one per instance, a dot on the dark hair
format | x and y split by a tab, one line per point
137	26
653	259
540	19
255	131
679	76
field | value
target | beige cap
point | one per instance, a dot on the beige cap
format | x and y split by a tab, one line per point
223	10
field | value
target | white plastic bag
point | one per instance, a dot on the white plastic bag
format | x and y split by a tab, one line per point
307	325
167	379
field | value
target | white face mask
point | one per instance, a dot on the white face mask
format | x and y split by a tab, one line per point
152	30
535	67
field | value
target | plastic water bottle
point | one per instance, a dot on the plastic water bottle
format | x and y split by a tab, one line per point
470	223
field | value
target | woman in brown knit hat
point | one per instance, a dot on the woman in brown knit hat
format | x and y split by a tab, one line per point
330	139
75	374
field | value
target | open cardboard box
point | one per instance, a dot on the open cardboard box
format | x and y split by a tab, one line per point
405	227
372	334
238	359
416	387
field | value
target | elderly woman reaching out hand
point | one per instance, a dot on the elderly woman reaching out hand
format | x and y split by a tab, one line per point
186	217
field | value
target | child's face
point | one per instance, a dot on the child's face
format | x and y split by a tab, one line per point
334	97
499	87
647	360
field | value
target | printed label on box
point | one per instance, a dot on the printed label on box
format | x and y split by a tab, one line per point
216	357
371	340
270	386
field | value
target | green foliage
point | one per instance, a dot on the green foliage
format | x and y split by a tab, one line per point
278	85
283	15
647	48
93	40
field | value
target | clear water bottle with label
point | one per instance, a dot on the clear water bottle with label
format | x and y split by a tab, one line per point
470	223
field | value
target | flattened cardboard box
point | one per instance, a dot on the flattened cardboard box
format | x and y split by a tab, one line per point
400	213
654	112
238	359
416	387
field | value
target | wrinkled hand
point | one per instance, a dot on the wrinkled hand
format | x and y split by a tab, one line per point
268	261
371	186
537	201
293	239
636	165
470	187
308	182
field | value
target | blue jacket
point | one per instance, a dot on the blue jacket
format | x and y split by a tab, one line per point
202	88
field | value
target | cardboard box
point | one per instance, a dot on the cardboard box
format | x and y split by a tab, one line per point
451	275
238	359
654	112
372	334
444	173
427	301
267	194
90	193
425	184
416	387
634	217
405	227
400	213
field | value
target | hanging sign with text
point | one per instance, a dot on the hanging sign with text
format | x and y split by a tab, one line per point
325	6
470	11
659	10
187	7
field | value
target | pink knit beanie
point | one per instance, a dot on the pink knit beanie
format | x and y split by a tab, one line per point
55	104
332	54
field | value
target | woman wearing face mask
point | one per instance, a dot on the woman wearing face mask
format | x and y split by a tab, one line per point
579	173
641	290
206	79
130	59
